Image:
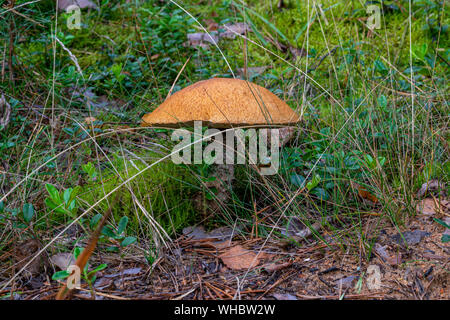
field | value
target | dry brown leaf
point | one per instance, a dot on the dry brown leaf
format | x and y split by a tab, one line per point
63	260
234	28
430	186
363	193
211	25
24	251
89	120
393	260
64	4
430	206
202	39
238	258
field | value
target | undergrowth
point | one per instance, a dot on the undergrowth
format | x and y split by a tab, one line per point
374	105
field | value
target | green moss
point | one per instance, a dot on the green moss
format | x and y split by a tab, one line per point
164	190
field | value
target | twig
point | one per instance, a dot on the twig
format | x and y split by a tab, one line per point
105	295
277	283
350	296
187	293
176	79
331	52
87	252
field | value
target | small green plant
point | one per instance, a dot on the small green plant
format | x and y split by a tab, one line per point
86	275
116	70
90	170
117	234
22	218
371	163
62	202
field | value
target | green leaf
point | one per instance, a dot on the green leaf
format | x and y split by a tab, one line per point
320	193
28	212
71	206
379	66
382	101
54	193
313	183
298	180
211	193
107	231
419	51
127	241
445	238
67	194
59	275
53	206
112	249
122	225
329	185
252	25
99	268
442	223
50	204
2	206
77	251
89	169
95	219
85	269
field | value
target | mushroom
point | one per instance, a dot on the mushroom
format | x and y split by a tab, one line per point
223	103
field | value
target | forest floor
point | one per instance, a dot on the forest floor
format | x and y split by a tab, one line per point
220	265
359	208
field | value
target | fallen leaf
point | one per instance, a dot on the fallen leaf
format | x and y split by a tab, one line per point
346	282
211	25
430	186
411	237
5	112
298	230
64	4
219	238
202	39
62	260
234	28
89	120
103	283
238	258
390	259
24	251
363	193
222	233
431	207
197	232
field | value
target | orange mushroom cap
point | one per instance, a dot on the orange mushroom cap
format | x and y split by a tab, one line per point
222	103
